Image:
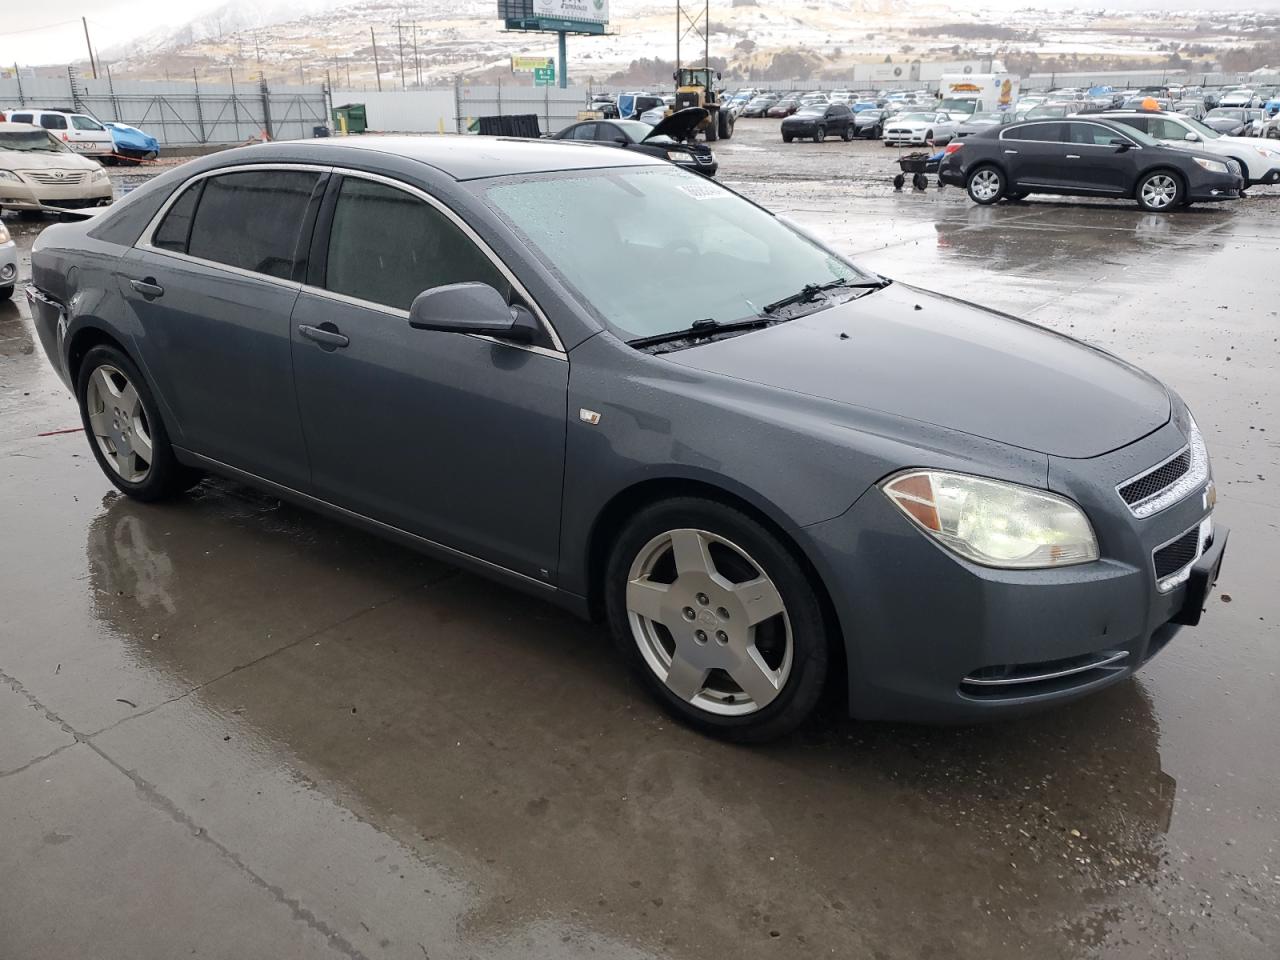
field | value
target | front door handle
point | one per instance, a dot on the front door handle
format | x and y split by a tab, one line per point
326	335
1011	151
148	287
1073	156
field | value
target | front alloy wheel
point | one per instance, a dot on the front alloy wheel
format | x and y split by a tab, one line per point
1159	191
718	617
719	641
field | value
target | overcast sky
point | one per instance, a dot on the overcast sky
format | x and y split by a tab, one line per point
49	31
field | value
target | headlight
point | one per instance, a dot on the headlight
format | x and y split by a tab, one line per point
994	523
4	233
1213	166
1268	152
9	175
678	157
99	176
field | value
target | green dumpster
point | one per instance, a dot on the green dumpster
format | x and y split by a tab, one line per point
351	116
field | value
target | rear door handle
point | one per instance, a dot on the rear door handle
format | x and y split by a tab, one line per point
1011	151
1073	156
327	336
148	287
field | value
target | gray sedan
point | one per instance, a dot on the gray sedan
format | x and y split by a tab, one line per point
776	473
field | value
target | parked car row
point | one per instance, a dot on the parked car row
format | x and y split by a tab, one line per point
38	171
82	133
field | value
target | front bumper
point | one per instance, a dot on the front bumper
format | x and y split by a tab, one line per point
893	139
26	195
1209	187
1272	176
930	637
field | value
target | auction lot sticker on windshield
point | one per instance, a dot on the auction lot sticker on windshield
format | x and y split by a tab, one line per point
703	191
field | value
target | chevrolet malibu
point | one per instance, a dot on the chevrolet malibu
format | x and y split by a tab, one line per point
784	472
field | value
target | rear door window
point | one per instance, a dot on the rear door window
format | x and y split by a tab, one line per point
1092	133
53	121
251	219
1045	132
175	228
387	246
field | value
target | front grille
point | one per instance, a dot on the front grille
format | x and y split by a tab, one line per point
1172	557
1153	481
703	158
1009	681
53	178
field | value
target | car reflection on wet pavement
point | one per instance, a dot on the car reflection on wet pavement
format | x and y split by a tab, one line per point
233	727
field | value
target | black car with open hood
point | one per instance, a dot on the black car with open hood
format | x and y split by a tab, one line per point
671	139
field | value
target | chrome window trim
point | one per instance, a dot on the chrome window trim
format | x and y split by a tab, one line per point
145	243
1067	143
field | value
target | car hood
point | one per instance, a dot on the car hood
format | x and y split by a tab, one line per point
33	160
930	358
680	124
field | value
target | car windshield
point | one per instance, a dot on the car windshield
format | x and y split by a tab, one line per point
31	141
811	109
1207	132
922	117
637	130
1227	113
957	106
612	234
986	118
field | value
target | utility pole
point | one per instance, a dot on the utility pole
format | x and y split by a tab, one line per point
400	43
417	66
92	63
377	68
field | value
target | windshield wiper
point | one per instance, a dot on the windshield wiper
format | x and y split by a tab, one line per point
809	292
704	329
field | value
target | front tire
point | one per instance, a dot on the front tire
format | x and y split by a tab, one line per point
847	135
6	293
127	436
718	617
820	134
1159	190
787	138
986	185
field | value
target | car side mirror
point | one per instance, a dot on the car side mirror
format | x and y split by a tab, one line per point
1192	136
474	308
1120	145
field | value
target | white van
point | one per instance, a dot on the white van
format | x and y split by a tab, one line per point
81	133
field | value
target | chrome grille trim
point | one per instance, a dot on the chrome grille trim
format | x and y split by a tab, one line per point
53	179
1196	475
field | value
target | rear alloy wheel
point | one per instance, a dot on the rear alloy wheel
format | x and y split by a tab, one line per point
124	428
1159	191
986	185
820	134
719	619
847	135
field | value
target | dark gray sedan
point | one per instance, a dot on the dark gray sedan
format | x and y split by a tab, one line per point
777	472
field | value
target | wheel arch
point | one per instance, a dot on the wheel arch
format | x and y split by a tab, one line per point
643	493
85	339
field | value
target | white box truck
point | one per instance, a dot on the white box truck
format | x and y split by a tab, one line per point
964	94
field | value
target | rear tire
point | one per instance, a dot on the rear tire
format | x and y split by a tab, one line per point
786	138
920	181
682	671
724	124
710	132
820	134
986	185
898	181
131	446
847	135
6	293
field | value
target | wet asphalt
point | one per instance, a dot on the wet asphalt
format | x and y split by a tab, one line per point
231	728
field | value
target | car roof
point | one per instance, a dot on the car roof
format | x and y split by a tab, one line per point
471	157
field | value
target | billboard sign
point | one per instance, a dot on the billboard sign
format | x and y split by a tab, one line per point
585	11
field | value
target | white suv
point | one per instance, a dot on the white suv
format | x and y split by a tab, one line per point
1259	161
81	133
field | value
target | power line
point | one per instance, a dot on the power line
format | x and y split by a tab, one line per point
47	26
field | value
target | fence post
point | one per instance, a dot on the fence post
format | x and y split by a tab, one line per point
199	109
499	96
546	105
457	103
22	100
266	106
111	88
235	113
